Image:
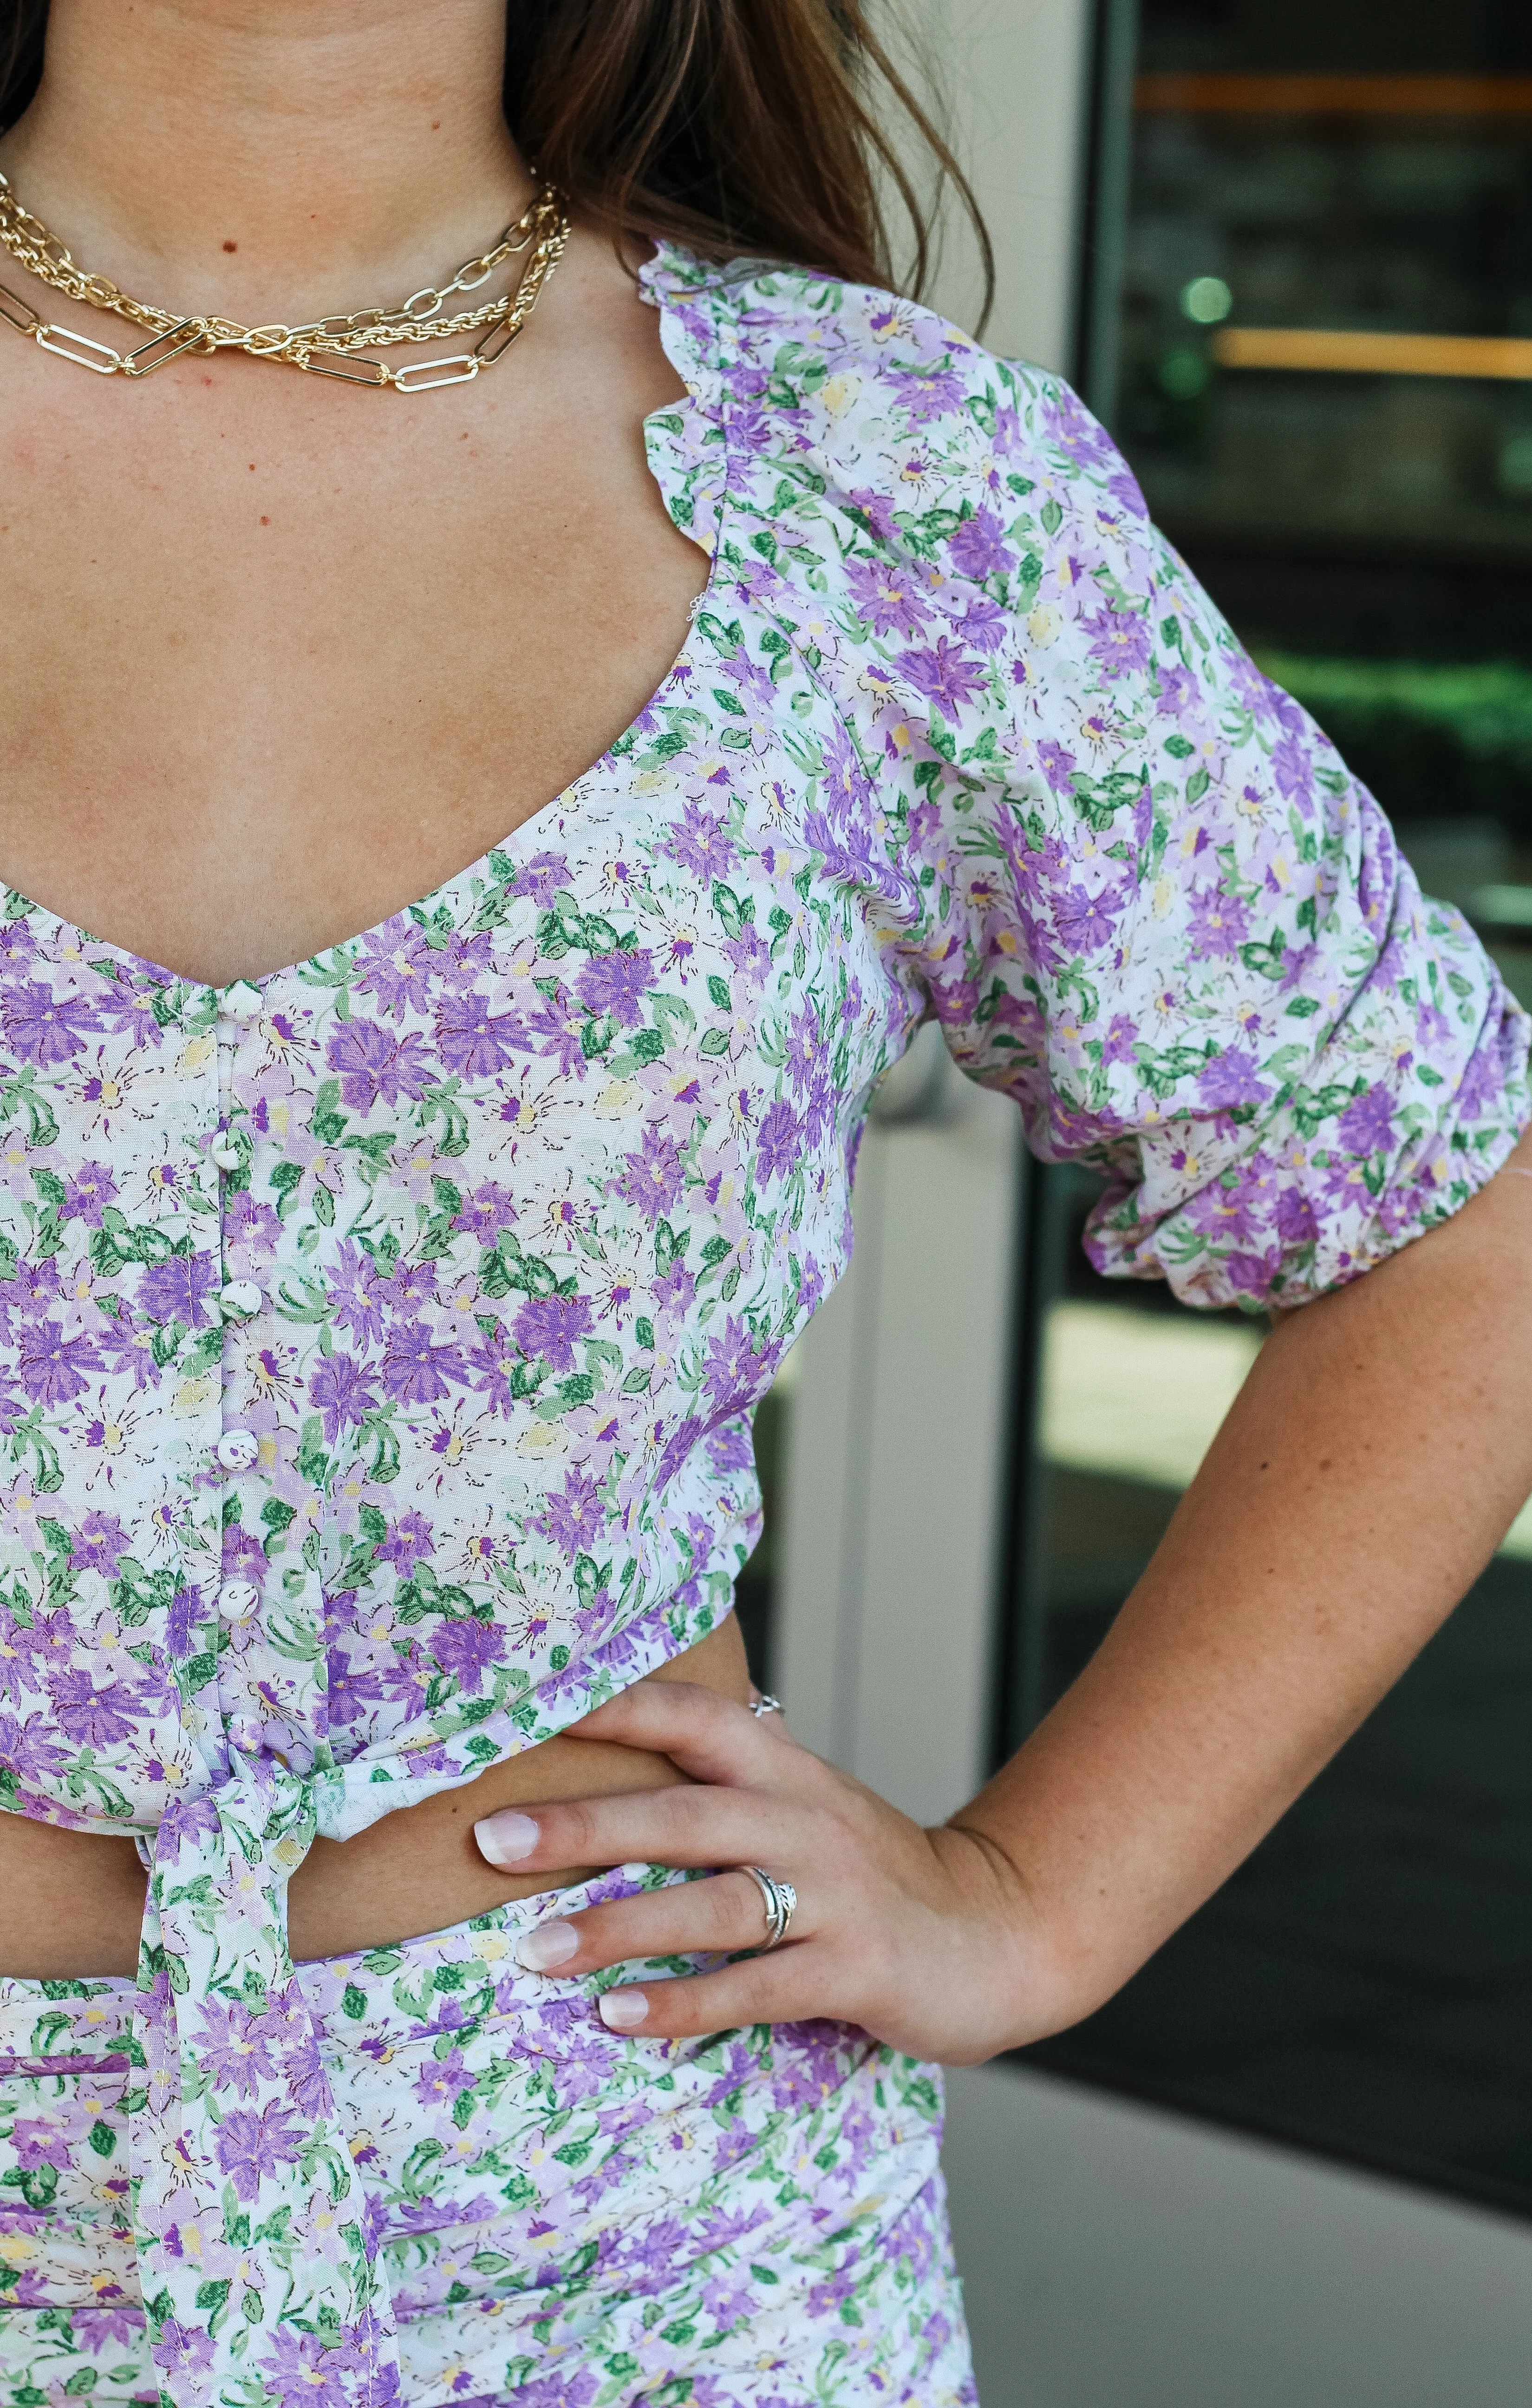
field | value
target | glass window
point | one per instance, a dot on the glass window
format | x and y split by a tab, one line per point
1312	331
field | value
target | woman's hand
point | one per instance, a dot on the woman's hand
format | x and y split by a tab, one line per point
926	1939
1365	1473
1367	1469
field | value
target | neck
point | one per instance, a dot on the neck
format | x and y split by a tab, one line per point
273	160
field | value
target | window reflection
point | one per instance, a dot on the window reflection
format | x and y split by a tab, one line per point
1320	371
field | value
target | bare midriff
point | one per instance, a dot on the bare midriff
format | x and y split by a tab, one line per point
71	1902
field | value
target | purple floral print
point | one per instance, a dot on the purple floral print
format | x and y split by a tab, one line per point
520	2201
374	1066
43	1027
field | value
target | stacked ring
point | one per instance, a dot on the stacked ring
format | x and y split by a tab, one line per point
780	1900
765	1704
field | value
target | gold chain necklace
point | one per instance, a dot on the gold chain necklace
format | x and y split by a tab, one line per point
331	346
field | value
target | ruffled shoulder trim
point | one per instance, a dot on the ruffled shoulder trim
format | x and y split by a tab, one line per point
687	444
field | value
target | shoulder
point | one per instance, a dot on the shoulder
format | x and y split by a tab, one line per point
846	370
842	397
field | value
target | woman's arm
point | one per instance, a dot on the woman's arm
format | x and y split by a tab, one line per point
1162	914
1373	1460
1369	1468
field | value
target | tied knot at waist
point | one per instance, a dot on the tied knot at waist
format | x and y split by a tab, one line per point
260	2276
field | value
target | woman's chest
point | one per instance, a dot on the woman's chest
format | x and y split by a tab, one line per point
478	1236
276	662
561	1149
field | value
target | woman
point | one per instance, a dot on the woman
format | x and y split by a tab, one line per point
383	1314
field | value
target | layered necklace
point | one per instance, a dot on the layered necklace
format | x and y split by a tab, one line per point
334	346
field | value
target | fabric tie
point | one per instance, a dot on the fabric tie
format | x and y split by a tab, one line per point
259	2272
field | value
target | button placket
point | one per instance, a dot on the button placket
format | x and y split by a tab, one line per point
193	1393
272	1663
237	1450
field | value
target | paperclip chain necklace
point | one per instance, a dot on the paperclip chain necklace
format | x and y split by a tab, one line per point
330	345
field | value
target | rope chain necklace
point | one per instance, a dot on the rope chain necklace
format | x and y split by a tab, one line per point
332	346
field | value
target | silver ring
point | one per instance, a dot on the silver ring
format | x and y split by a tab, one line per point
780	1900
766	1704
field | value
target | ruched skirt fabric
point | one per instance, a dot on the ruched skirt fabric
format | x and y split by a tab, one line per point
569	2218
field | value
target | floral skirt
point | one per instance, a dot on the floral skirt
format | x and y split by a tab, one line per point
569	2218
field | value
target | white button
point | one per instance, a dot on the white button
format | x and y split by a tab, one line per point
226	1156
242	1002
240	1297
237	1601
237	1450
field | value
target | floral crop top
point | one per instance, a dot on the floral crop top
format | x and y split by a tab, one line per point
379	1338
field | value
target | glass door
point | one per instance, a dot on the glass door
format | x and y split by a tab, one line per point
1310	325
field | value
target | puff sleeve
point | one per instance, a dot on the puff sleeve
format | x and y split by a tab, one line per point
1156	907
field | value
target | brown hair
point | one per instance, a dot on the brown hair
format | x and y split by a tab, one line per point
742	128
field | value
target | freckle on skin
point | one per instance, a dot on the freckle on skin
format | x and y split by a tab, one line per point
265	522
231	245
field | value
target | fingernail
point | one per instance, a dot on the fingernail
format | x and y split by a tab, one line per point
552	1943
506	1838
624	2010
